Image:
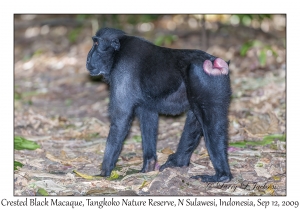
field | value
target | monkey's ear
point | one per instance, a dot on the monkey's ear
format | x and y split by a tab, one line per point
115	44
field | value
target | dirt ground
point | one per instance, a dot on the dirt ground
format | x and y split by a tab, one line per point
59	106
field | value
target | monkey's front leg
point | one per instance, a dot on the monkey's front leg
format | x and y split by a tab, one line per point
120	125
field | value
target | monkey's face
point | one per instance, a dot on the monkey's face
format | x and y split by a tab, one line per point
100	58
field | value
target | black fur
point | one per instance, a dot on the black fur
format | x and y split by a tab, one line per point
147	80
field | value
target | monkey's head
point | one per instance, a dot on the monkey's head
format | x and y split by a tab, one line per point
101	56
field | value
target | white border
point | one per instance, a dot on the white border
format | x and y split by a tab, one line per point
153	6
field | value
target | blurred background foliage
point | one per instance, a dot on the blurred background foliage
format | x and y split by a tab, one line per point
164	30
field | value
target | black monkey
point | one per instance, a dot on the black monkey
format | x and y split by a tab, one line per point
146	80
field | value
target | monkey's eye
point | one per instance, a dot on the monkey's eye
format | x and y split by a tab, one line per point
96	40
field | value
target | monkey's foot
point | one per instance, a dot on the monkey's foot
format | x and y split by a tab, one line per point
172	162
149	165
219	67
214	178
105	173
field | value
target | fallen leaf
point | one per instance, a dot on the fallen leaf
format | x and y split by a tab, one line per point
204	155
270	190
49	186
232	149
42	192
114	175
144	184
85	176
276	178
262	125
135	160
261	171
22	143
101	191
66	161
17	164
167	151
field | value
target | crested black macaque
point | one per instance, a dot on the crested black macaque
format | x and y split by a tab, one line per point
147	80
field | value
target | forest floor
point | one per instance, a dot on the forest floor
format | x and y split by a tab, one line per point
59	106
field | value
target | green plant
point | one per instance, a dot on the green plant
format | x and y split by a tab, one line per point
17	164
73	34
261	48
265	141
165	40
246	19
22	143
